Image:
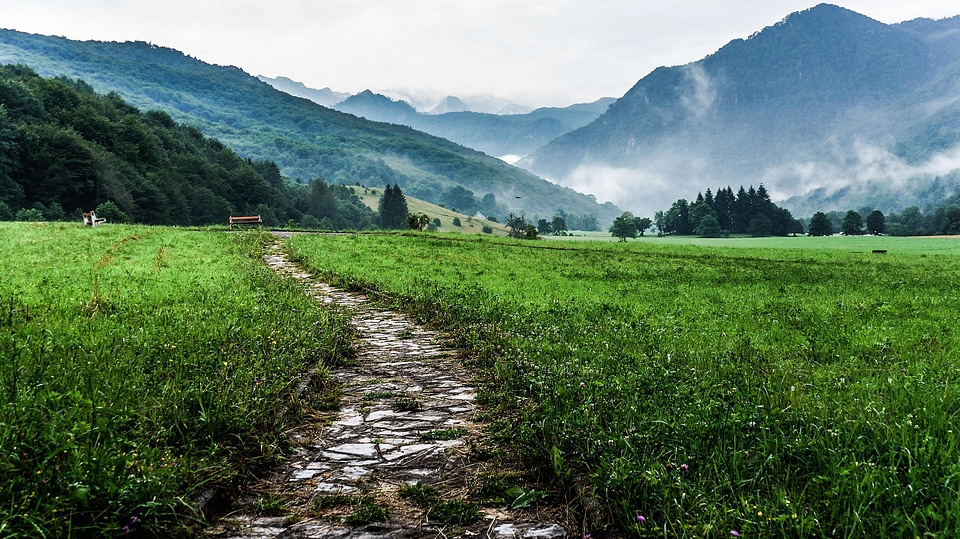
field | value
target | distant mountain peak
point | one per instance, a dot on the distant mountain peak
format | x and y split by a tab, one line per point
450	104
324	96
373	106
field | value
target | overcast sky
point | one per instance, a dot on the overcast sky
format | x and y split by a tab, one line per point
534	52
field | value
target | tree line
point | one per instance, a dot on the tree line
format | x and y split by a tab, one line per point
943	218
748	211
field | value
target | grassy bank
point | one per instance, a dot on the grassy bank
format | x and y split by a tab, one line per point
771	392
141	365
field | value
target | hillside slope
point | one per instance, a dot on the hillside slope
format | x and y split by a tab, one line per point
826	99
304	139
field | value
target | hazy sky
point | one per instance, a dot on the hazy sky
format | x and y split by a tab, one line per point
535	52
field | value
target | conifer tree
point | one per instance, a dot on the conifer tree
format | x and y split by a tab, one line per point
393	208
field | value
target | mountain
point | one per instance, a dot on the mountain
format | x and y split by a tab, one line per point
826	102
304	139
494	134
378	108
425	101
324	96
450	104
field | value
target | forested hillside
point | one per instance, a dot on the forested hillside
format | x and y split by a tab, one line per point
826	99
305	140
65	150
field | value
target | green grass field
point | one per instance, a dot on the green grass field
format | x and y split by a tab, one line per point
785	387
140	366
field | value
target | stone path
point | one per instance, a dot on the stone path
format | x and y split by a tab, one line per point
406	416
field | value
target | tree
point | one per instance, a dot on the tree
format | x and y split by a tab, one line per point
109	211
544	227
417	221
760	226
393	208
456	222
709	227
460	199
29	215
321	202
677	218
852	224
912	220
517	226
624	227
876	223
660	220
643	223
951	221
559	225
820	225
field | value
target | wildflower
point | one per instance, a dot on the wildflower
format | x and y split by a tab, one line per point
641	519
684	467
735	533
582	384
586	536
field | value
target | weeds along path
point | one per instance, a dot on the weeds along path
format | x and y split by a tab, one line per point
397	459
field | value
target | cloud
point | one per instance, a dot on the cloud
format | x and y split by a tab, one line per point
700	95
669	174
867	164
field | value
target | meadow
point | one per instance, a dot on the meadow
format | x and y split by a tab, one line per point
141	366
706	389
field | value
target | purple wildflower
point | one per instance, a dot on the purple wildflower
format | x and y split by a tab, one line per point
641	519
684	467
735	533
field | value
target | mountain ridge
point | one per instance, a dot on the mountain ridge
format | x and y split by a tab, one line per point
494	134
824	92
304	139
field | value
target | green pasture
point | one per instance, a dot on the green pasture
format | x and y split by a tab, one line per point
709	387
141	366
928	245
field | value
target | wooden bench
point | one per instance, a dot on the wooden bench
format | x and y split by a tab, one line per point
245	220
91	219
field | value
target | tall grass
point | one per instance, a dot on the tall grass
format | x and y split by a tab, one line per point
707	390
139	366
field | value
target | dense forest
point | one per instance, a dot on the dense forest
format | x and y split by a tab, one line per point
748	211
65	150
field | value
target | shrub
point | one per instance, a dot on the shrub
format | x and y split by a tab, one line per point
30	215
